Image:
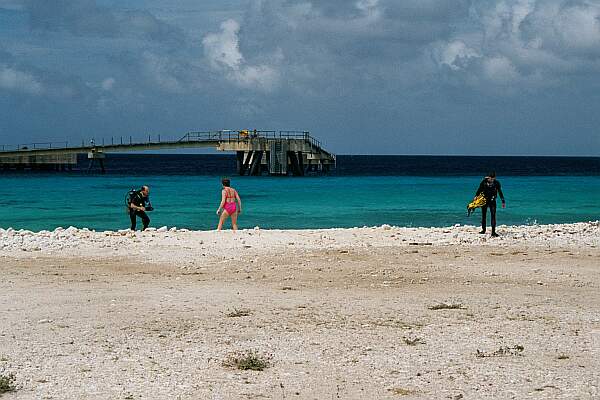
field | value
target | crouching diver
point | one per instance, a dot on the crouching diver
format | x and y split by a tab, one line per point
137	204
490	188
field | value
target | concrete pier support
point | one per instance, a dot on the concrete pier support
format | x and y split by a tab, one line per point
256	163
294	164
240	162
247	162
96	156
301	163
267	166
279	159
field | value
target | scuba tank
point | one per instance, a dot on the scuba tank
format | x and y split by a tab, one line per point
129	198
131	194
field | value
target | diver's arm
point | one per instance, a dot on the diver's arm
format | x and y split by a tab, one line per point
133	206
237	196
222	202
137	208
501	195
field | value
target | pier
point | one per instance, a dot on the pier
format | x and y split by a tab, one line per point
258	152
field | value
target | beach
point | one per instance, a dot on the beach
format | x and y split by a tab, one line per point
360	313
365	145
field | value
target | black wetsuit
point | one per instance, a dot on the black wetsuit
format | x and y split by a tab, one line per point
490	192
139	200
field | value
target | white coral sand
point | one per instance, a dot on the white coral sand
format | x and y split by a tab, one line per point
164	244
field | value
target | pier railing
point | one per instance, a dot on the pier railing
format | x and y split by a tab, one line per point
236	136
230	135
34	146
199	136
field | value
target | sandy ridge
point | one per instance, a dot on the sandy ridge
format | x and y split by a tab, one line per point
163	244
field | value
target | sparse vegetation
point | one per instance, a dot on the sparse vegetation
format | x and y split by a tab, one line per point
238	313
541	389
7	383
516	350
249	360
401	391
446	306
394	323
413	341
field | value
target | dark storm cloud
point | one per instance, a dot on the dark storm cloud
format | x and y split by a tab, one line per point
324	45
167	72
24	79
570	29
425	75
87	18
333	22
501	42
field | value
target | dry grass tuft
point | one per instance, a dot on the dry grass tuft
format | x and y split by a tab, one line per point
413	341
447	306
401	391
239	313
7	383
516	350
249	360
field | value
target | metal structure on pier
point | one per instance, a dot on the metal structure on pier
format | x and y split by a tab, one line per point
258	152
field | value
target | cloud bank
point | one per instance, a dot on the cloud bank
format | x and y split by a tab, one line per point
87	18
439	69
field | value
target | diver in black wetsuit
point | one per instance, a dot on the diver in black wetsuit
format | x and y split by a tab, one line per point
490	188
138	207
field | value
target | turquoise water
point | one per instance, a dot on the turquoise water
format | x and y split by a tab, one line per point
39	202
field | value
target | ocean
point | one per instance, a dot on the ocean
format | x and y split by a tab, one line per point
411	191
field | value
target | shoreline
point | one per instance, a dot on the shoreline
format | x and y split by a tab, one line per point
164	244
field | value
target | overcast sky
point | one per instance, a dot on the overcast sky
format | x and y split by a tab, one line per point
498	77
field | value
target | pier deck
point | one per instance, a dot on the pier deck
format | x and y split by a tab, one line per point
258	152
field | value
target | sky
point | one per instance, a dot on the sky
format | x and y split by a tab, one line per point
456	77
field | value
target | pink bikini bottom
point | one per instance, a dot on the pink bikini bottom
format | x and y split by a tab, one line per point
230	208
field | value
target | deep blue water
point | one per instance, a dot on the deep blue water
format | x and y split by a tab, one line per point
363	190
225	164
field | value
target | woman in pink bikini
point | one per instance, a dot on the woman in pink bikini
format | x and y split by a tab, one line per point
228	206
